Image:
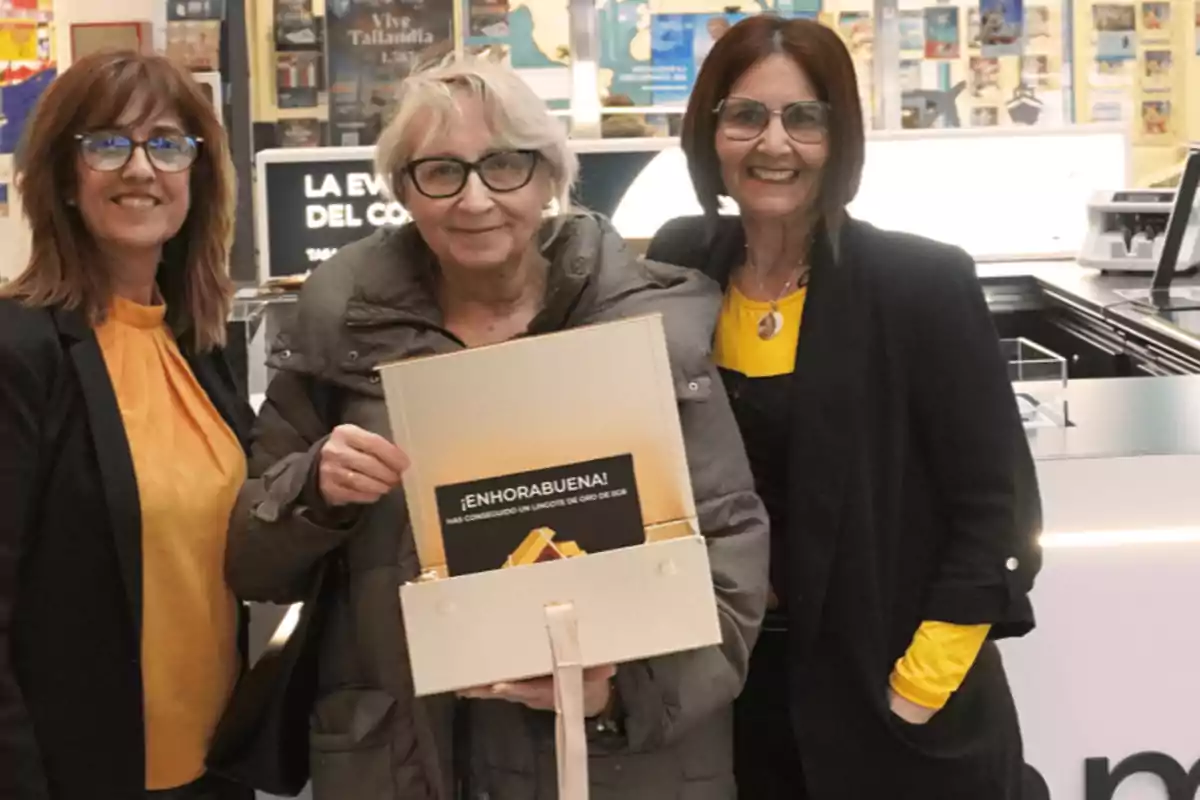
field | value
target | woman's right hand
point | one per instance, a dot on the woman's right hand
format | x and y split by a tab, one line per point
357	466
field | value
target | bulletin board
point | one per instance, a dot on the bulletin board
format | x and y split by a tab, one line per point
1137	62
988	64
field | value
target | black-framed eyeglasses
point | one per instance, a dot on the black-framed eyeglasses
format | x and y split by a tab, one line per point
743	119
109	151
445	176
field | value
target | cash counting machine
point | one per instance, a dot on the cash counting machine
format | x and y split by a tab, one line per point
1129	231
1150	231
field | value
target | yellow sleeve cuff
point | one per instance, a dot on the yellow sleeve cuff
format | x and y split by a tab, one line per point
937	662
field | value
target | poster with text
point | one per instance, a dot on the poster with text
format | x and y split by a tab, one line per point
488	18
912	30
295	25
1156	69
941	32
372	46
542	515
1001	24
1116	31
1155	119
1156	22
678	46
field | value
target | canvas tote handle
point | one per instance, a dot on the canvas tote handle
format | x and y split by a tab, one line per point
570	733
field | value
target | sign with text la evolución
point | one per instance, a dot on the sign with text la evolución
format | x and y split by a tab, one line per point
314	208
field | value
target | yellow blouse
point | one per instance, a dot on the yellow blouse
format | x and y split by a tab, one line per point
941	653
189	467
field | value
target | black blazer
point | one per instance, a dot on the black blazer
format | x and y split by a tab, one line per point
913	496
71	725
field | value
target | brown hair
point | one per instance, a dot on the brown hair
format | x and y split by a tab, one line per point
94	93
822	55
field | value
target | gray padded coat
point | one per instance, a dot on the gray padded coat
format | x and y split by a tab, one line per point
370	738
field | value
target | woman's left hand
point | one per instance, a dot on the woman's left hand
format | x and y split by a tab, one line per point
538	693
909	711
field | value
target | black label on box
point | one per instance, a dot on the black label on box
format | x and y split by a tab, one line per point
540	515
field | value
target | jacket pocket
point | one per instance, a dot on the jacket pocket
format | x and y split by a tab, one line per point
351	745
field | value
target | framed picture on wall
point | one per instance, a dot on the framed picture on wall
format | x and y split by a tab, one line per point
95	37
210	83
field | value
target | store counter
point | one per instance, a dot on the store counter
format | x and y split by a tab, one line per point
1106	684
1118	300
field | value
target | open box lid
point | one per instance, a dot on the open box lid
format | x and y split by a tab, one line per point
499	430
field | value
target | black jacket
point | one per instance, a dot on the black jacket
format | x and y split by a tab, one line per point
71	725
913	496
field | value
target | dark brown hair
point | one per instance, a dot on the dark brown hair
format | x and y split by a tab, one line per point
62	270
822	55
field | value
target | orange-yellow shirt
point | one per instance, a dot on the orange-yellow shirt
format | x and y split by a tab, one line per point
189	469
941	654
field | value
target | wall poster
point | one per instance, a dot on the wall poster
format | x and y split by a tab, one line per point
941	32
679	45
1000	27
372	46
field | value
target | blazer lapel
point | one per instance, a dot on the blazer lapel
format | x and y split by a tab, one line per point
826	385
112	453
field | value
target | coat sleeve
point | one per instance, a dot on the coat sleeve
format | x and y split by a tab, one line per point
279	530
980	462
663	698
25	378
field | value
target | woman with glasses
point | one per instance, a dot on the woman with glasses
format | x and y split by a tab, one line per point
884	439
479	163
120	443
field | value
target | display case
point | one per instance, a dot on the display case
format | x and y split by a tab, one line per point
1039	378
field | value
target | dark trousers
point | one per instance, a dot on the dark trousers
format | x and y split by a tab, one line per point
766	760
208	787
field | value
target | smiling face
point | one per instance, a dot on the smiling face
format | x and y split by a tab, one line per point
477	228
133	210
772	175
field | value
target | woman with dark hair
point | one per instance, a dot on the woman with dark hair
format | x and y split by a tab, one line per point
885	442
121	450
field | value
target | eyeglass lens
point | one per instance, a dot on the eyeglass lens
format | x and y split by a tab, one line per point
505	171
107	151
805	120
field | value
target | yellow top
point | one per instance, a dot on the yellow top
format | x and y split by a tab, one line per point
189	468
738	346
941	654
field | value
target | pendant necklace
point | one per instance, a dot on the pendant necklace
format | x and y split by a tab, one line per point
771	322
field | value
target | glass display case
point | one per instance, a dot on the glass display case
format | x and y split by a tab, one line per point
1039	379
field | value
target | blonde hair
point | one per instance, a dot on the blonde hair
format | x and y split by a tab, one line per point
517	117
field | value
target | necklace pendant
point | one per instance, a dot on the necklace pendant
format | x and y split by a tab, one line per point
770	325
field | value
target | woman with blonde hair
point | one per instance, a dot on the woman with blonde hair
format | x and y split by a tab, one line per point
476	159
120	443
